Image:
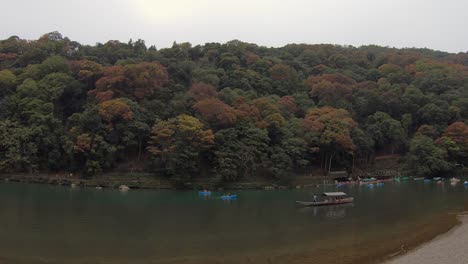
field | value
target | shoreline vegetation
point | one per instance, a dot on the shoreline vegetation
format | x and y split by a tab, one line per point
150	181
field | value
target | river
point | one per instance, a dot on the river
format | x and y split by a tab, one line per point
60	224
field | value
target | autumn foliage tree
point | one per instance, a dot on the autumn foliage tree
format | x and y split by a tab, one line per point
200	91
178	144
216	111
133	81
334	127
331	89
115	109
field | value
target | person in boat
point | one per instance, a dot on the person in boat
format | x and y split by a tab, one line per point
315	198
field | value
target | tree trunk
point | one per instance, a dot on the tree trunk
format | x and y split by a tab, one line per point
330	162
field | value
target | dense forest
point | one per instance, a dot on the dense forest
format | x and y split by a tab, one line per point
228	111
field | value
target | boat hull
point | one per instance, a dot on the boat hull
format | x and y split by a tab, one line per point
324	203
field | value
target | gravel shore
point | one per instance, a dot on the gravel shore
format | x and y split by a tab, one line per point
447	248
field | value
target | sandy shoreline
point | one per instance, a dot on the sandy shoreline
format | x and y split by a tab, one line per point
450	247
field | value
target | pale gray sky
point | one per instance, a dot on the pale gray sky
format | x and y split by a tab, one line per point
436	24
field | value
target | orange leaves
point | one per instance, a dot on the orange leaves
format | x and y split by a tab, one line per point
104	96
251	58
281	72
334	126
115	109
113	79
83	143
247	111
86	70
330	87
200	91
7	56
215	110
288	103
458	132
145	77
180	132
135	80
332	78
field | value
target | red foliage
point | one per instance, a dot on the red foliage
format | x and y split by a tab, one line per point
7	56
288	103
215	110
247	111
104	96
281	72
458	132
146	77
331	86
200	91
334	126
136	80
86	70
251	58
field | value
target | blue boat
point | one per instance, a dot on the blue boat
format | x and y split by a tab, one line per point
204	193
465	183
427	180
229	197
380	184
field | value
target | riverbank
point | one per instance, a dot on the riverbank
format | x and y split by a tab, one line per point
134	181
150	181
446	248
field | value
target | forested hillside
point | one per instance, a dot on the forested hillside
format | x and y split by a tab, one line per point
228	111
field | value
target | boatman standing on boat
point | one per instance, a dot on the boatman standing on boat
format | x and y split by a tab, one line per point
315	198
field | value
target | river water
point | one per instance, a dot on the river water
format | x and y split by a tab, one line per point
58	224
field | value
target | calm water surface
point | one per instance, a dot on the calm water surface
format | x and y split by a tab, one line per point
51	224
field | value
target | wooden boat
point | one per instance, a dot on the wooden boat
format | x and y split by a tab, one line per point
332	198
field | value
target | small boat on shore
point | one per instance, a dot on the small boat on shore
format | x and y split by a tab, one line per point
419	179
455	180
331	198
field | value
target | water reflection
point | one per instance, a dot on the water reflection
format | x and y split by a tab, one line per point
332	211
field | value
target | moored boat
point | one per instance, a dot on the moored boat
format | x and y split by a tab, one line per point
332	198
229	197
204	193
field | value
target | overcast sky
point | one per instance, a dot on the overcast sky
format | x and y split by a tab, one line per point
436	24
